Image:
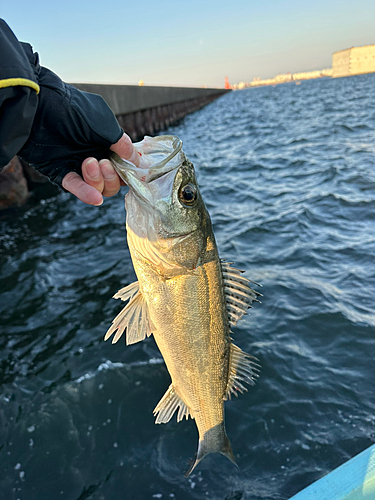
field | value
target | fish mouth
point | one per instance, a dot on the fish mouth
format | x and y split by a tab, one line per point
158	157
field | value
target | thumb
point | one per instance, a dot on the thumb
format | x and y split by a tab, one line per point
125	149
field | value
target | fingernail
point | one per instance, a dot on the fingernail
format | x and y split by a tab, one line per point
92	169
107	171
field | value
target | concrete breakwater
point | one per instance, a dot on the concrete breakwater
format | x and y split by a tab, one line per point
146	110
140	111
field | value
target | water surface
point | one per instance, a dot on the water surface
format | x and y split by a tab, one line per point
288	176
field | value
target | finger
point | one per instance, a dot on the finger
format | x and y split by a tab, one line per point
111	179
92	174
74	183
125	149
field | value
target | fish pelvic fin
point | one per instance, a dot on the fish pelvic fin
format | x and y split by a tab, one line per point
168	405
215	440
133	319
238	294
243	369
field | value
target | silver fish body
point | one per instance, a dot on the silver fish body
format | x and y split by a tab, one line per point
185	295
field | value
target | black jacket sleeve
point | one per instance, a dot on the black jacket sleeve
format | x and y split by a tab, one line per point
18	93
68	126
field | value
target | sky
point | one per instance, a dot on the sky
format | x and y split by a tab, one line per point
188	43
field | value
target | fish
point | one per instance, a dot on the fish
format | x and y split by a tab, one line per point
185	295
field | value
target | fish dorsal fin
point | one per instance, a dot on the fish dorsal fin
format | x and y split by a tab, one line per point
238	294
243	368
168	405
134	318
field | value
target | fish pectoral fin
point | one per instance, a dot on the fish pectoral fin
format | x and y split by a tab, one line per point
134	318
238	294
168	405
128	292
243	368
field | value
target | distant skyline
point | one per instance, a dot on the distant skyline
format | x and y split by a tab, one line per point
195	43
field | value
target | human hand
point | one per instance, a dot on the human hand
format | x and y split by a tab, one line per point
99	177
70	140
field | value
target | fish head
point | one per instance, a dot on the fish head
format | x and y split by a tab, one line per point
167	220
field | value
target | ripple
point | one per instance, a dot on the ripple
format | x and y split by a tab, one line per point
287	174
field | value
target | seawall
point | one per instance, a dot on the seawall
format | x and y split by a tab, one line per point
140	111
146	110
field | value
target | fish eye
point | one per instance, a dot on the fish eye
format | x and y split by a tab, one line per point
188	194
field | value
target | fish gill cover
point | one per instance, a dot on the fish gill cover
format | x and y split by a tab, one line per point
185	295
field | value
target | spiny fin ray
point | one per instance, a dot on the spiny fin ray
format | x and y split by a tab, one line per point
168	405
239	296
243	368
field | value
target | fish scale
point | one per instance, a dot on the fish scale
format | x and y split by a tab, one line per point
185	295
179	327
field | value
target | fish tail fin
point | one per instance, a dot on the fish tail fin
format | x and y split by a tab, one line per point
214	440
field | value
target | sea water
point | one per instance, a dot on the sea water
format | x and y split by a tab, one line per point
288	176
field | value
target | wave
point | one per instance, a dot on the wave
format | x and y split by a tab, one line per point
109	366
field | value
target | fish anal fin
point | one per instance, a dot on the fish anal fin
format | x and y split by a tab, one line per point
243	369
238	294
133	319
168	405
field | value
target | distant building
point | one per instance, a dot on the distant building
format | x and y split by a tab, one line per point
283	78
310	75
353	61
287	77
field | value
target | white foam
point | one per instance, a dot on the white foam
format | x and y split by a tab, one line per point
109	365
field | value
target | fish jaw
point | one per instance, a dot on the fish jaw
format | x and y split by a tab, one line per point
161	228
158	157
181	281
